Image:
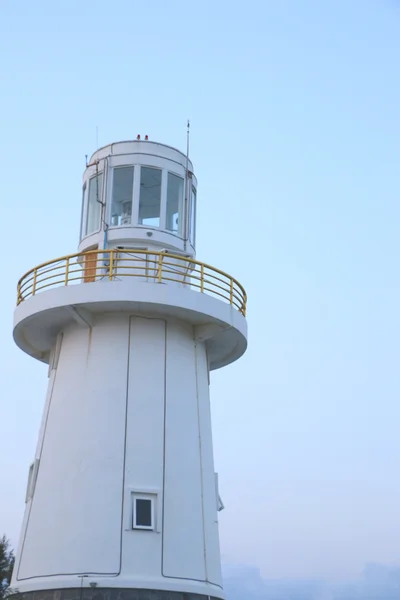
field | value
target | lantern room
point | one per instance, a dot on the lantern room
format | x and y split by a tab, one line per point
139	194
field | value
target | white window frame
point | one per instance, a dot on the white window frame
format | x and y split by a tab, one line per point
101	194
192	234
163	200
83	209
151	498
181	208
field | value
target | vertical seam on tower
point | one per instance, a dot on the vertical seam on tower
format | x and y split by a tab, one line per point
201	458
125	438
37	475
165	421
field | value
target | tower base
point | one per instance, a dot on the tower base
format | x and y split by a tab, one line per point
108	594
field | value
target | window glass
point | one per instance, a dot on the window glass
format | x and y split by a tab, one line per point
142	513
122	190
94	204
174	202
83	206
192	225
150	197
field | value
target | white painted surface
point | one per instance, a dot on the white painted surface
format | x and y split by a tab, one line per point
183	543
137	153
145	441
210	500
146	378
127	412
38	319
75	515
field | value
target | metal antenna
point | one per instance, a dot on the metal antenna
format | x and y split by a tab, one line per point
187	144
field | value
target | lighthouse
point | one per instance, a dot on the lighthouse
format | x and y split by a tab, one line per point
122	497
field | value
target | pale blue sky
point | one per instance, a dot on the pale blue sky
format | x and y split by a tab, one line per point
294	106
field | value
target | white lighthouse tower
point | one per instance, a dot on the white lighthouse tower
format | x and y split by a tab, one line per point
122	497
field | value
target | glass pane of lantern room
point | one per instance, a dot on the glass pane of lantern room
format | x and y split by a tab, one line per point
192	224
122	190
94	204
150	197
82	233
174	203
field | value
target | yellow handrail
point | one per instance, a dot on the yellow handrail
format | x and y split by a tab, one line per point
149	265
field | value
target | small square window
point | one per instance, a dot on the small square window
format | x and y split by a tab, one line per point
143	512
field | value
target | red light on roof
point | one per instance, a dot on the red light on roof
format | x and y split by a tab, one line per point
138	137
146	137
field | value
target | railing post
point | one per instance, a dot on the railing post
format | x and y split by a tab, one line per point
231	291
202	277
159	270
110	276
19	299
34	282
66	271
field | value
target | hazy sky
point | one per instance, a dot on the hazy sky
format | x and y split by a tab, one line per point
294	106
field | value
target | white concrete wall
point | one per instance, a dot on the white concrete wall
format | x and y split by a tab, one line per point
183	518
211	534
145	442
128	412
75	513
38	319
